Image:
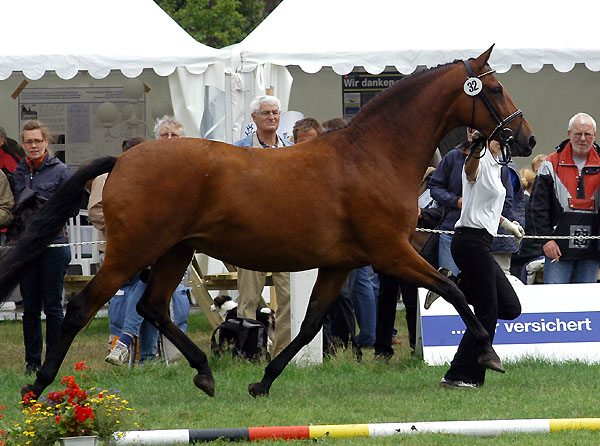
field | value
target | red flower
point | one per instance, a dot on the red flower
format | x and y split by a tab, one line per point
69	381
56	397
81	366
83	413
28	397
57	419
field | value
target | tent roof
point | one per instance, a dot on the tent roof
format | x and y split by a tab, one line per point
406	34
72	35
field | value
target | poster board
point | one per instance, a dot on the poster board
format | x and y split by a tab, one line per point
71	115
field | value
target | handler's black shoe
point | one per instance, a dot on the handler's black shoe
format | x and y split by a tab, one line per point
449	384
432	296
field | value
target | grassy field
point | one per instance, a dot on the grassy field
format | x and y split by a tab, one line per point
340	391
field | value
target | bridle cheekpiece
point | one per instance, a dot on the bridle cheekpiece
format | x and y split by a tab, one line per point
503	134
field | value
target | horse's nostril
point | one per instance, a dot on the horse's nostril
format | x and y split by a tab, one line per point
532	142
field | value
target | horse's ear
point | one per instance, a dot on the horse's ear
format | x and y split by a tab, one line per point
482	60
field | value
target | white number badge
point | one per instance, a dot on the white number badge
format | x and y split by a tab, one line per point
473	86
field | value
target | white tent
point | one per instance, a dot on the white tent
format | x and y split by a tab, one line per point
404	34
67	36
70	36
535	48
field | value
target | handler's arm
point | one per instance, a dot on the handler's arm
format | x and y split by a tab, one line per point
472	166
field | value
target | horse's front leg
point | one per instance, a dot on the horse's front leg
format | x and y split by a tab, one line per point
324	293
79	312
413	268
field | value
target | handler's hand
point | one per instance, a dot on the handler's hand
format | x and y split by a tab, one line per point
514	228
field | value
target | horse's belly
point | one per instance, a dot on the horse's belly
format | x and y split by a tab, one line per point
269	254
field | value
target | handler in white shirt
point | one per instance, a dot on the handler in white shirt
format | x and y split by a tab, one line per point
482	280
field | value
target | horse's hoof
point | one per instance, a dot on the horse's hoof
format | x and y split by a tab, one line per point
490	360
206	384
258	389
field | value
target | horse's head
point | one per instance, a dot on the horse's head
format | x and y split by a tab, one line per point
489	108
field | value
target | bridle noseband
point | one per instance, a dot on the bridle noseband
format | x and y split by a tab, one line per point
503	134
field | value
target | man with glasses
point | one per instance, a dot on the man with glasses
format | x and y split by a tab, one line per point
265	111
564	202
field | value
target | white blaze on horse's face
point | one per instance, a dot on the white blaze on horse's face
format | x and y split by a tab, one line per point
267	118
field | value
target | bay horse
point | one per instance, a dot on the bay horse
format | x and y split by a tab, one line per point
341	201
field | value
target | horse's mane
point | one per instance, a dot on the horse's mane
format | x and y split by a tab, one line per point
402	91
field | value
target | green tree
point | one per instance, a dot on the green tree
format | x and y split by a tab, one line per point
218	23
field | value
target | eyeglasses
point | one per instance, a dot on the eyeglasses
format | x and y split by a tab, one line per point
165	135
30	142
269	112
585	135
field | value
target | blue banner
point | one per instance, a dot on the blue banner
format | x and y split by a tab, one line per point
528	328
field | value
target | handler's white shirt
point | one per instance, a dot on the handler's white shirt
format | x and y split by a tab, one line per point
483	199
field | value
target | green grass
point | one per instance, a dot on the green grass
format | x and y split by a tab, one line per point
340	391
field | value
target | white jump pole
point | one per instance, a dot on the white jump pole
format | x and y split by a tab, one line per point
472	428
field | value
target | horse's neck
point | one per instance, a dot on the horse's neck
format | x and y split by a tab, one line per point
408	128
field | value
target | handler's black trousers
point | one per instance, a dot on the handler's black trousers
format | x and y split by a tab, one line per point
488	290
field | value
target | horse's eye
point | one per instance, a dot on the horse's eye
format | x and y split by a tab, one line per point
496	90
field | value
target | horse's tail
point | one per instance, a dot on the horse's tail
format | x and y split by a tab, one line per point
45	224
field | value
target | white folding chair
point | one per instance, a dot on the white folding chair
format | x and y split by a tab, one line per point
84	256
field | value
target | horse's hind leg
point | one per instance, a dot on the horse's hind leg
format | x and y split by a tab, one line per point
165	274
413	268
324	294
80	311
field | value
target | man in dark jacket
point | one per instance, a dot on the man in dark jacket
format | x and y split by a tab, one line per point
564	202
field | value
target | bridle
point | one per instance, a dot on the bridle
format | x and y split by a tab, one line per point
503	134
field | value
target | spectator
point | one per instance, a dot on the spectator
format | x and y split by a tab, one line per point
531	249
167	127
10	153
6	202
305	129
36	178
527	180
358	295
95	214
446	189
484	283
339	326
334	124
565	203
125	322
390	287
265	111
536	162
514	209
364	288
